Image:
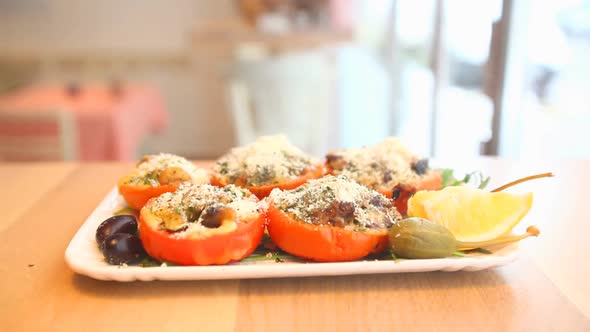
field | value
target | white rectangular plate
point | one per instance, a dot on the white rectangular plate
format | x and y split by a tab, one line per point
83	256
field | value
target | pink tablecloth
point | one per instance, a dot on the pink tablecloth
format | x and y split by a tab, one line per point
109	127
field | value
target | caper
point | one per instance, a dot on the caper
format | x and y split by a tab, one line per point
420	238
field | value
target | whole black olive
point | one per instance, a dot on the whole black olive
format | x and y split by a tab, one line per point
113	225
122	248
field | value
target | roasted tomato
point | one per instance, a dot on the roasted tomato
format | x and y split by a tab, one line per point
330	219
264	190
157	174
402	192
268	163
201	225
387	167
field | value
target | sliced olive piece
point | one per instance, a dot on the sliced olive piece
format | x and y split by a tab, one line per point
214	216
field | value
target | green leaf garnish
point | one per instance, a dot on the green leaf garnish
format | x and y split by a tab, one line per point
484	183
476	178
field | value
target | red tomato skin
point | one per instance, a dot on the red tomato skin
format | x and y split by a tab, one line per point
216	249
322	243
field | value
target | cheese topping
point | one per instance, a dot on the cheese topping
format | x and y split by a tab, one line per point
185	211
337	201
165	168
380	167
269	160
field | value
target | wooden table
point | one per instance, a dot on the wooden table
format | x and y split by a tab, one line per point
44	204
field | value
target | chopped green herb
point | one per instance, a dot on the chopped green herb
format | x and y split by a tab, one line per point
223	168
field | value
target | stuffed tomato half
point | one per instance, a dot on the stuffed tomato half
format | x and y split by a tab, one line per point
268	163
202	225
157	174
330	219
388	167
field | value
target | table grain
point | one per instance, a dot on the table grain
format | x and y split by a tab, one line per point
545	289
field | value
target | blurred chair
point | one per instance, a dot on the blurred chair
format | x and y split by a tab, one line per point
290	94
37	135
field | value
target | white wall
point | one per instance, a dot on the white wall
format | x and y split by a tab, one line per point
70	25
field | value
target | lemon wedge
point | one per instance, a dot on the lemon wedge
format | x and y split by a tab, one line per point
471	214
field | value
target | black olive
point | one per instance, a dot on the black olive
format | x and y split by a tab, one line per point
113	225
211	222
121	248
420	166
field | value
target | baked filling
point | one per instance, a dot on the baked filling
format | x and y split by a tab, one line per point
379	167
267	161
200	209
337	201
165	168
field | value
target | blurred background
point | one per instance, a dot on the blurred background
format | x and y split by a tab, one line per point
112	80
